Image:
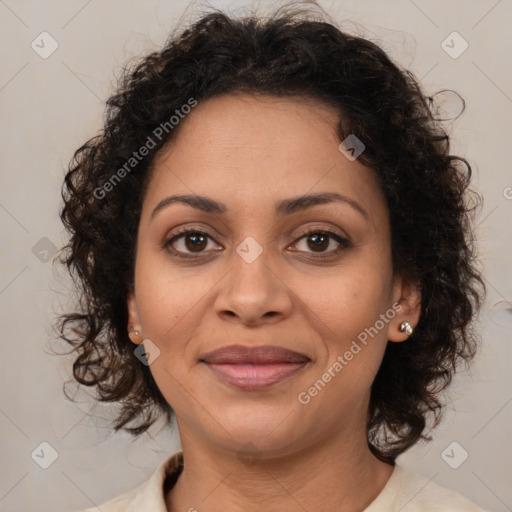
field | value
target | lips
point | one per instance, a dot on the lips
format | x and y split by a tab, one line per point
254	368
266	354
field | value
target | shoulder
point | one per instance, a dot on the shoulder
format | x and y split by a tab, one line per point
122	502
415	493
148	496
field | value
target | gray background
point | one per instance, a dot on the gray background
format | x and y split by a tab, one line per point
49	107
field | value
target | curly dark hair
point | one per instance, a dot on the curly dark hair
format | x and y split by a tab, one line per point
288	54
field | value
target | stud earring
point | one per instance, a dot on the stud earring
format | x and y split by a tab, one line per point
406	327
131	330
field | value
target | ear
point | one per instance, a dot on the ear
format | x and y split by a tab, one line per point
133	319
407	305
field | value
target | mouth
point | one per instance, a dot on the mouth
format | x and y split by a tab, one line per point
254	368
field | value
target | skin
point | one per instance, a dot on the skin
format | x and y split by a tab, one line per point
249	152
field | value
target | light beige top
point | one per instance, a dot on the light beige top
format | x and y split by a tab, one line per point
405	491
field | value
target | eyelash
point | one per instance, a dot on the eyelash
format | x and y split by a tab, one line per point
344	243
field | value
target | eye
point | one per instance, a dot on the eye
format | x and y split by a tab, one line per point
188	240
192	243
320	240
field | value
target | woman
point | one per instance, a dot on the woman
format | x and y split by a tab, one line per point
273	245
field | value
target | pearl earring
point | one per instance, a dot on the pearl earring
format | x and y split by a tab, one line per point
406	327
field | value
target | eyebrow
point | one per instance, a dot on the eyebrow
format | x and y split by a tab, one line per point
282	208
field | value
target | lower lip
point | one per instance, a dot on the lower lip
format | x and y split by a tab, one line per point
255	376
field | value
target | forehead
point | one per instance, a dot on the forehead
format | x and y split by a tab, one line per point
243	149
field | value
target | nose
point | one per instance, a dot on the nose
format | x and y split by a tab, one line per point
253	292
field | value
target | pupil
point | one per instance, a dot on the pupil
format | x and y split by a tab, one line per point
318	240
197	240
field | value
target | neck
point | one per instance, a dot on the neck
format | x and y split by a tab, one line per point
332	474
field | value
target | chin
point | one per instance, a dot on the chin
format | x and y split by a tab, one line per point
271	433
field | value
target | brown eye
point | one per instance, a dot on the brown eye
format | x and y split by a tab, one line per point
319	241
195	241
188	241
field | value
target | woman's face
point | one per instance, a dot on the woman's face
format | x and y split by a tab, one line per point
256	278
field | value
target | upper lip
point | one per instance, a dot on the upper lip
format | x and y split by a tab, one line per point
265	354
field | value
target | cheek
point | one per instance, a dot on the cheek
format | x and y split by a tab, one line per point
349	308
165	296
172	304
167	317
350	300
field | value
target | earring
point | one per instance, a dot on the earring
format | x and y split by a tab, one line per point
406	327
131	330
